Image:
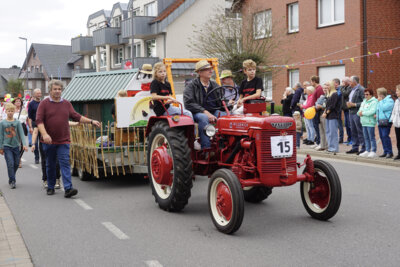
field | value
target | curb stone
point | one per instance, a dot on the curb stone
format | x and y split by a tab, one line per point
343	156
13	251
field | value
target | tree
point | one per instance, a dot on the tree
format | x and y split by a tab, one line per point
15	87
234	40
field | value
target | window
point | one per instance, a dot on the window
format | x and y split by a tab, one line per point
117	22
136	11
293	16
330	12
151	48
293	77
228	11
103	59
118	56
150	9
262	24
92	64
234	44
267	82
137	49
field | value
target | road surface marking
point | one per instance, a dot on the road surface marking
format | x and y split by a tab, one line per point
115	230
153	263
33	166
83	204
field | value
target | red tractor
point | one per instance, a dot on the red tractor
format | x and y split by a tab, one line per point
250	154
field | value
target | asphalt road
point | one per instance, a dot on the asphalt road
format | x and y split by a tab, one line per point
115	222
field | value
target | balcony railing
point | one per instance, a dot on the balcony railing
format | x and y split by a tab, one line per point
77	71
140	27
107	35
83	45
139	61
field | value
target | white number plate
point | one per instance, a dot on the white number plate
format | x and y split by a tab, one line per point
282	146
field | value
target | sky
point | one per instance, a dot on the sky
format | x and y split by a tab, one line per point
42	21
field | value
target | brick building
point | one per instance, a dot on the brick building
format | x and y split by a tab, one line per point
328	38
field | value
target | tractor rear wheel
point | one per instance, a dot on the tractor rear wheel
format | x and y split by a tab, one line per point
225	201
169	166
322	197
256	194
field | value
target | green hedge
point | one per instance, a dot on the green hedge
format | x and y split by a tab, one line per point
278	108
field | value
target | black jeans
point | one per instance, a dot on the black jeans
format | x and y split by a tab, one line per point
43	157
397	131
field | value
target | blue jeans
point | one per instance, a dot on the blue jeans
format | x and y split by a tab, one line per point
332	135
340	125
347	125
172	110
369	136
310	130
316	127
298	137
11	154
357	136
29	135
385	138
60	152
202	121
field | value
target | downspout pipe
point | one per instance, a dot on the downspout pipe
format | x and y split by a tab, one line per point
365	44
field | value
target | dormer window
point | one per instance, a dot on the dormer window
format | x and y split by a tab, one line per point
150	9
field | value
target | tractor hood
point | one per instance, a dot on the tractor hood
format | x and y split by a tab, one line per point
241	124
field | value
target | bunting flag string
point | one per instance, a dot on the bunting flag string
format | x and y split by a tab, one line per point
330	62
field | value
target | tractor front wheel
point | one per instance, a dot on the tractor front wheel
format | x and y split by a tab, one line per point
322	197
256	194
169	166
225	201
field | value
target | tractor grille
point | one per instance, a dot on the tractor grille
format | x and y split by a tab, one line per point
270	164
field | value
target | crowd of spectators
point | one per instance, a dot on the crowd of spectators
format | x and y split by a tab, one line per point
345	106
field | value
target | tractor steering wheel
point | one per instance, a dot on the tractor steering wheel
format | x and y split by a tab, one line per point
225	98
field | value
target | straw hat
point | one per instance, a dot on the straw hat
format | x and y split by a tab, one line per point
226	74
202	65
146	69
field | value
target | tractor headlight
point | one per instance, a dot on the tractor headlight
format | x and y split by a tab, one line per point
209	130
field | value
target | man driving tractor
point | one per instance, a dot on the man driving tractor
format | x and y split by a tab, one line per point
194	97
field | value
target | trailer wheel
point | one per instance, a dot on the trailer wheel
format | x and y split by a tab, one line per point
74	172
322	197
169	166
83	175
225	201
256	194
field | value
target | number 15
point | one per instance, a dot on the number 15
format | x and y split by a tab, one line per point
284	146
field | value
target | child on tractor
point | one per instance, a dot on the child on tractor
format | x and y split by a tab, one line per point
161	93
251	87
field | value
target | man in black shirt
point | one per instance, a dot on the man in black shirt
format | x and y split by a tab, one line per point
32	108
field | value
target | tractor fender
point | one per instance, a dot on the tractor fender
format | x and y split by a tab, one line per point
182	121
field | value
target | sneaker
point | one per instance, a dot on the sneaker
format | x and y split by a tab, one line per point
372	154
318	148
397	157
50	191
36	161
389	156
12	185
310	143
57	186
383	155
362	151
352	151
364	154
45	184
349	143
197	145
70	192
314	146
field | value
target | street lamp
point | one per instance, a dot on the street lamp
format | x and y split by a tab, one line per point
26	59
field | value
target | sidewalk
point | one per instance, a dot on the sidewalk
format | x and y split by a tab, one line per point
305	149
13	251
